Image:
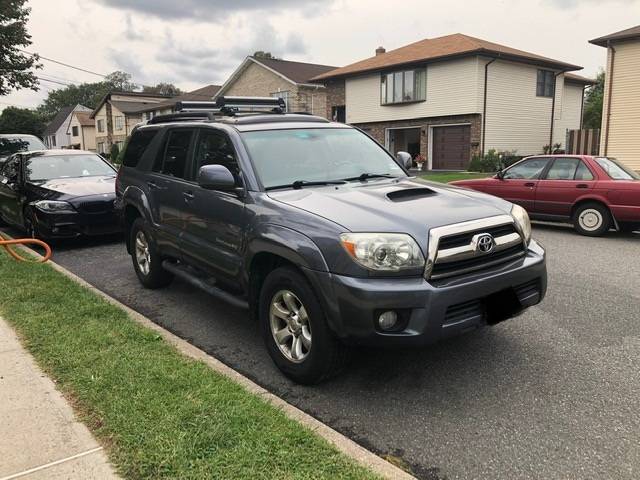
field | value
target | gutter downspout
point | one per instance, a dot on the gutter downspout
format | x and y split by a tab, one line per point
553	109
608	117
484	106
584	87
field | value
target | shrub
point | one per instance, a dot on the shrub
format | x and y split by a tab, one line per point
493	161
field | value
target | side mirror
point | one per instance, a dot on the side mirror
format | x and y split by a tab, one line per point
405	159
500	175
216	177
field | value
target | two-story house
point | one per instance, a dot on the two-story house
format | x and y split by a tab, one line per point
270	77
204	94
82	131
117	114
453	97
620	132
56	132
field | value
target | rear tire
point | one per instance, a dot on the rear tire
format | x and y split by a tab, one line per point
592	219
307	351
147	262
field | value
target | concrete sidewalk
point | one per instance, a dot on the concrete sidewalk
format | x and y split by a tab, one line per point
40	438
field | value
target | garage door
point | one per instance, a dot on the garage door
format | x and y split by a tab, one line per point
451	147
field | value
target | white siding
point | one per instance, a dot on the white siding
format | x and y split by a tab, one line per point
624	122
517	119
451	90
571	109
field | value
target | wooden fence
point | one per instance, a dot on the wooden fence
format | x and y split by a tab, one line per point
583	142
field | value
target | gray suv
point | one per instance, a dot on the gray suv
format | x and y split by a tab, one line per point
319	232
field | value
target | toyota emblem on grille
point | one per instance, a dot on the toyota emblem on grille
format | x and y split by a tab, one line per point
483	243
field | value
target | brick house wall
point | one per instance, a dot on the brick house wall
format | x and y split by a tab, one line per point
335	95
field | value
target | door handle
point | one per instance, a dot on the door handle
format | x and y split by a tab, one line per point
582	185
530	184
152	185
188	196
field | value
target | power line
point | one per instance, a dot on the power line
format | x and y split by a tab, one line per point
63	64
54	81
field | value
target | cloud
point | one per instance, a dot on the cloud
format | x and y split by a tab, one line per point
206	10
570	4
130	32
266	38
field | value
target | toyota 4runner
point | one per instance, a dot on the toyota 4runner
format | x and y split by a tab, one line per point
319	232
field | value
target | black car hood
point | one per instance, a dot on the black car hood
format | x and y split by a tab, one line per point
79	187
408	205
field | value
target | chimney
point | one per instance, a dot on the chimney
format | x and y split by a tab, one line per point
380	51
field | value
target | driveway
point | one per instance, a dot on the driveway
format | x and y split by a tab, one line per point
553	394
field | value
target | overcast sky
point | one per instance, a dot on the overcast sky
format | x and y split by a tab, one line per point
197	42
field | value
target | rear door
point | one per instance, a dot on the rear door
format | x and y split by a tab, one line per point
519	183
216	222
562	184
168	187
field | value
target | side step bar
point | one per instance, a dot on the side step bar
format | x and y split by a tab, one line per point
198	282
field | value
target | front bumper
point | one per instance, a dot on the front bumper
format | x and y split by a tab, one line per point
431	311
75	224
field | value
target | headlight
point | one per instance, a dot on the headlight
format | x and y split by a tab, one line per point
53	206
523	223
383	251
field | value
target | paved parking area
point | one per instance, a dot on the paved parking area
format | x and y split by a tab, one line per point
553	394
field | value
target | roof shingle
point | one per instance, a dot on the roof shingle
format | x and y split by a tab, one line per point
299	72
453	45
58	120
627	34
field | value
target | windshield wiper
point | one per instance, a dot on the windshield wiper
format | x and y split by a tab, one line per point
298	184
367	176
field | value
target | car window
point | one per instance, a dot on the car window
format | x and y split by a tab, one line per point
616	170
11	167
172	160
563	169
137	145
214	148
13	144
583	172
52	167
527	169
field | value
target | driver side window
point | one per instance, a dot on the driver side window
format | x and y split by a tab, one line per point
529	169
11	168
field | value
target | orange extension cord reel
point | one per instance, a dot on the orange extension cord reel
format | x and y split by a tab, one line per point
8	246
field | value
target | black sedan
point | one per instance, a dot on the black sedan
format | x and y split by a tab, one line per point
54	194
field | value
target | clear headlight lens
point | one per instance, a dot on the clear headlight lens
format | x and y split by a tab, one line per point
523	223
53	206
383	251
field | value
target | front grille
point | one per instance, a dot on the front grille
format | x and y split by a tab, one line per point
463	312
450	269
461	239
528	290
96	206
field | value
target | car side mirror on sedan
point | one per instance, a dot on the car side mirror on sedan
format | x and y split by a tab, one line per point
216	177
405	159
500	174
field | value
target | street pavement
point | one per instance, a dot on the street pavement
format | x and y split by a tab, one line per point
553	394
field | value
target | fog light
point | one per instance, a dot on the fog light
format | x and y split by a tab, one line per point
388	320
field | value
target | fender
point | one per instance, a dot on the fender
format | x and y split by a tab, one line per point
135	197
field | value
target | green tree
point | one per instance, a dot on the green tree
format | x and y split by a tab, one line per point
121	81
592	116
21	120
115	151
261	54
16	68
162	88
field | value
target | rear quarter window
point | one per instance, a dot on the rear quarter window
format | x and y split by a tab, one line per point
138	144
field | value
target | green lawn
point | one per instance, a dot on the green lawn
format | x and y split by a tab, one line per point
158	413
453	176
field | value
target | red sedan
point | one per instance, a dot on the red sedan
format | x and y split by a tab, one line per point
594	193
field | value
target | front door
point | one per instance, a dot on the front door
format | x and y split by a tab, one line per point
451	147
519	182
10	209
215	228
566	181
168	189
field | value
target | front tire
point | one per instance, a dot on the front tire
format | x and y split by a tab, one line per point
147	263
295	329
592	219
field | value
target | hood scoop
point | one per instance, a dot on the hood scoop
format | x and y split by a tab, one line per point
408	194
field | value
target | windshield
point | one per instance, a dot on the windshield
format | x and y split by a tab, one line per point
11	145
616	170
52	167
282	157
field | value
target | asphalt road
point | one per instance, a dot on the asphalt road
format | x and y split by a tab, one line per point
553	394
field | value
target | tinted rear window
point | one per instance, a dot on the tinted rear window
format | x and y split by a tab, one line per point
137	145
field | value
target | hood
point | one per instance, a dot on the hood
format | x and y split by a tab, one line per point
407	205
80	187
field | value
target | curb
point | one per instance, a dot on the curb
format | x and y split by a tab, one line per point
345	445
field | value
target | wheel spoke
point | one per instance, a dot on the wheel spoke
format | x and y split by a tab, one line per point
290	302
296	348
279	312
283	335
305	336
302	315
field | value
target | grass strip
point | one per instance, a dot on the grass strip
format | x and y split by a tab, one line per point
158	413
453	176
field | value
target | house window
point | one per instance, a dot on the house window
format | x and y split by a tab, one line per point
53	140
546	84
284	96
403	87
101	125
100	147
118	123
74	131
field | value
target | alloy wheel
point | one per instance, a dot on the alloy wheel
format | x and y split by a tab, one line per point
143	256
290	326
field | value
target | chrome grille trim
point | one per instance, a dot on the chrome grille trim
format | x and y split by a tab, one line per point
465	252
